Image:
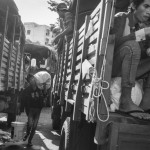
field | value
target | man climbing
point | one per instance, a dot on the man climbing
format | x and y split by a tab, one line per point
66	23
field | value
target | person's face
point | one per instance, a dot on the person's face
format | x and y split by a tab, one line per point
142	12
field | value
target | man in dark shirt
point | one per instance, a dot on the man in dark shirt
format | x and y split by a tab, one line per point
32	101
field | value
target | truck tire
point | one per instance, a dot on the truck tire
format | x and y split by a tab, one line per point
56	123
56	117
65	135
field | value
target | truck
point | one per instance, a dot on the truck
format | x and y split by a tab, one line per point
12	41
81	94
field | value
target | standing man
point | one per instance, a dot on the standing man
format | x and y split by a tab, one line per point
33	100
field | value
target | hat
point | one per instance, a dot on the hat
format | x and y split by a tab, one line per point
29	76
61	6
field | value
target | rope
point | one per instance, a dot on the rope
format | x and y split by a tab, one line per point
98	82
98	92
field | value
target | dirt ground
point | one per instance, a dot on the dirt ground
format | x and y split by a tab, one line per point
45	138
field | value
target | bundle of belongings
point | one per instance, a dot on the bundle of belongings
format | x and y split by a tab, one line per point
115	90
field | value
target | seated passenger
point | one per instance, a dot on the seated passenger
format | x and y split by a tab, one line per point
131	61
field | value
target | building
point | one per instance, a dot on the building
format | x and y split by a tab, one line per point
38	34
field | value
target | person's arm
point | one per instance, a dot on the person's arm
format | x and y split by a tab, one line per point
69	20
138	35
65	32
119	23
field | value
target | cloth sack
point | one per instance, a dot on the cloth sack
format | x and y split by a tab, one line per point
43	78
115	90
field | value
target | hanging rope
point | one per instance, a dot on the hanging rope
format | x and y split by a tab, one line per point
98	83
98	87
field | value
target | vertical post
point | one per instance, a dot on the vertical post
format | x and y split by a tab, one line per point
17	50
21	52
78	99
76	18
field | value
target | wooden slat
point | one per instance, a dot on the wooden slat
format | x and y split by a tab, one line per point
77	77
13	55
14	52
6	50
3	71
96	10
79	48
95	19
5	54
4	59
78	96
91	49
11	73
6	44
4	65
93	38
64	75
78	67
68	78
92	60
81	29
68	73
80	42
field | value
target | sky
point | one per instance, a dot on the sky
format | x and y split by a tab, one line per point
36	11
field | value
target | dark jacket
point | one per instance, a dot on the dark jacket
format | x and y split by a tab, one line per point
31	99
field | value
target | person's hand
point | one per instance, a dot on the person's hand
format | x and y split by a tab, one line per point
147	31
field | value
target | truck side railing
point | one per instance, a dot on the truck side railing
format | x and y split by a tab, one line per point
10	66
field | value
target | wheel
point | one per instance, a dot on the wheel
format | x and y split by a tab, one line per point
56	123
65	135
56	117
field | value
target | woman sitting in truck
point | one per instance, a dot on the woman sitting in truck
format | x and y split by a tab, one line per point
131	61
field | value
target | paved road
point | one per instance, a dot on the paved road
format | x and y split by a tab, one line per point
45	138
